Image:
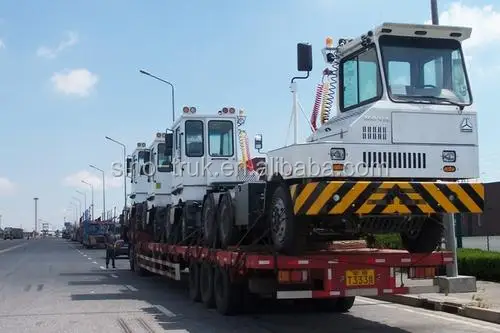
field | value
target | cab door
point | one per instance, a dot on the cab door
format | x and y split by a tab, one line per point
221	157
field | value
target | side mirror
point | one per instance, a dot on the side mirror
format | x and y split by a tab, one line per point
304	57
129	162
258	142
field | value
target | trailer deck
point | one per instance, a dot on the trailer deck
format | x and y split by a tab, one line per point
337	273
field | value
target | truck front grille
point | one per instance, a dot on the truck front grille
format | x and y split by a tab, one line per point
395	160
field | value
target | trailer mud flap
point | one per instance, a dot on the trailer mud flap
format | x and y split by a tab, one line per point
386	198
171	270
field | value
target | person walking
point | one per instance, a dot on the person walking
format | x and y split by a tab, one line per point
110	248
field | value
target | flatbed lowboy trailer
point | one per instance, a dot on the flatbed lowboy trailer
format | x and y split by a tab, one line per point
330	278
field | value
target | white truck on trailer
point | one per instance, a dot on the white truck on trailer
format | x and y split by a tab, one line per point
390	159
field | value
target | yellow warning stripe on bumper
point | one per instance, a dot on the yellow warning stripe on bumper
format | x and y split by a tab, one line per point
365	197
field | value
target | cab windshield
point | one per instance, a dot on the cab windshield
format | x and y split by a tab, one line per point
164	158
425	70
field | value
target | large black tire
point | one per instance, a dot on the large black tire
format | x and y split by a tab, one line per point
341	304
208	216
131	258
425	241
228	234
207	284
228	294
194	281
138	269
287	236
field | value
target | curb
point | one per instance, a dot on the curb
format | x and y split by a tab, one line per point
459	309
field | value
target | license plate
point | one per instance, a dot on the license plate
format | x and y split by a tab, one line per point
360	277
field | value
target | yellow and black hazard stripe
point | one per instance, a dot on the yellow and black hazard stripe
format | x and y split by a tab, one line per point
365	197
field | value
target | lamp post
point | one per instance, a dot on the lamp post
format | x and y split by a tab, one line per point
434	12
103	190
166	82
92	191
36	214
75	209
84	201
124	170
79	204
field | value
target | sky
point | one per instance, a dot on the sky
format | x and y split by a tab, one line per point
69	76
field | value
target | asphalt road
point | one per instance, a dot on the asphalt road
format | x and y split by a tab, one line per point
51	286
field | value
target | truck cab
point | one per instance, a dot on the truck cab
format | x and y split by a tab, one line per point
136	169
205	152
401	106
159	170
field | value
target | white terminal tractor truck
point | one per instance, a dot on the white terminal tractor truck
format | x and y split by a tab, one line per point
396	155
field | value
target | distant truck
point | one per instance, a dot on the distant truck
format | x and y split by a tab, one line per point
13	233
93	234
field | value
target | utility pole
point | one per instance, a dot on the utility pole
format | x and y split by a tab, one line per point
434	12
36	215
103	191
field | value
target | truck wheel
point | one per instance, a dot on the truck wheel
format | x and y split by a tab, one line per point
285	233
209	214
426	240
194	281
131	258
227	293
225	221
207	284
344	304
138	269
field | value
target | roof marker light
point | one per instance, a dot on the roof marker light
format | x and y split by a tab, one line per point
329	42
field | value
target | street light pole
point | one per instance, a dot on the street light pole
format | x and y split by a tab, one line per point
434	12
79	204
92	191
103	190
84	201
36	215
166	82
76	209
124	170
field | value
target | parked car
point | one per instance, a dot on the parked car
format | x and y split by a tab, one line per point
121	248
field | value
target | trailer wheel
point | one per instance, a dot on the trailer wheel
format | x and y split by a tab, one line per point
225	221
209	214
227	293
137	268
207	284
344	304
286	235
426	240
131	258
194	281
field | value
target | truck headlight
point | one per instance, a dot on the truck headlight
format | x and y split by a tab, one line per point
337	154
449	156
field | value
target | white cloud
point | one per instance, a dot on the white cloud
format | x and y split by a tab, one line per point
75	180
2	44
78	82
70	40
483	21
6	186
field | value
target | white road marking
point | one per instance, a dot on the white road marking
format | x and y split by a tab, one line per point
433	315
102	267
131	288
12	248
94	262
164	310
84	255
89	258
114	275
